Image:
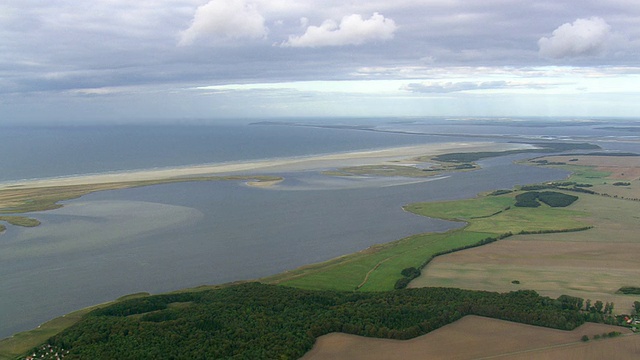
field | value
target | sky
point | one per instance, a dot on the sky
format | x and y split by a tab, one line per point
73	61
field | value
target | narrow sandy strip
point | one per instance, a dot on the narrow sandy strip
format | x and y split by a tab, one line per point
270	165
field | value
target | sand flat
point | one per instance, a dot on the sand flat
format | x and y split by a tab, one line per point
269	165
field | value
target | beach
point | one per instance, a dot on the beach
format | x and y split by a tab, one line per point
378	156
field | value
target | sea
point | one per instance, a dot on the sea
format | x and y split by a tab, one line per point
166	237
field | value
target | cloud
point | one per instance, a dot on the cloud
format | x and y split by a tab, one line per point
226	19
352	30
584	37
449	87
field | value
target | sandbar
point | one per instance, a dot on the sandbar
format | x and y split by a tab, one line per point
377	156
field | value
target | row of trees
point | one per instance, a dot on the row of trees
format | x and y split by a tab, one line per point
411	273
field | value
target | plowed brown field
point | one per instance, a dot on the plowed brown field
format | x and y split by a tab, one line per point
475	337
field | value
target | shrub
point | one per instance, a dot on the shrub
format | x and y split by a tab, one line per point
585	338
621	183
630	290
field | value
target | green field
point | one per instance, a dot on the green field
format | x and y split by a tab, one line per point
462	209
496	215
586	175
379	267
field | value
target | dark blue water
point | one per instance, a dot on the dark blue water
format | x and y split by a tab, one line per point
41	152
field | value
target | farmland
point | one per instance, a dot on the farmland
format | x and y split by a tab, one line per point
475	337
591	264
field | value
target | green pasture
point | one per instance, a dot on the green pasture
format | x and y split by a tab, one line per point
462	209
496	215
380	265
586	174
543	218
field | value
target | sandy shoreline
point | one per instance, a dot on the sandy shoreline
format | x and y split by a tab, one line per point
268	165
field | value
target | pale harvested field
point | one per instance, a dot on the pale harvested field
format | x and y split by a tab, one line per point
585	269
591	264
476	337
620	167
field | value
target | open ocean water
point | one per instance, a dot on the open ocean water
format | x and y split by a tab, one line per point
161	238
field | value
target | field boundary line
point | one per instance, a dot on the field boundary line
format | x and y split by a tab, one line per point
366	277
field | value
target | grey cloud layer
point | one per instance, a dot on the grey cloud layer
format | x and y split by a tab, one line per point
58	45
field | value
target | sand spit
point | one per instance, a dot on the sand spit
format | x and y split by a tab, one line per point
269	165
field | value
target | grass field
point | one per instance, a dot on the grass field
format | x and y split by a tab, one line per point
495	214
376	268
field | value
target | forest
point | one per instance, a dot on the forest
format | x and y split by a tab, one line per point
254	320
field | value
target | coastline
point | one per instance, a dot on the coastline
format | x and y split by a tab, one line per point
395	155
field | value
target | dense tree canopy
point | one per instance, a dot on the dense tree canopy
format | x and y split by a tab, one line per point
260	321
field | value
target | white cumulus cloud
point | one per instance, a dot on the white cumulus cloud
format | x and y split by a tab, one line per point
583	37
352	30
225	19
